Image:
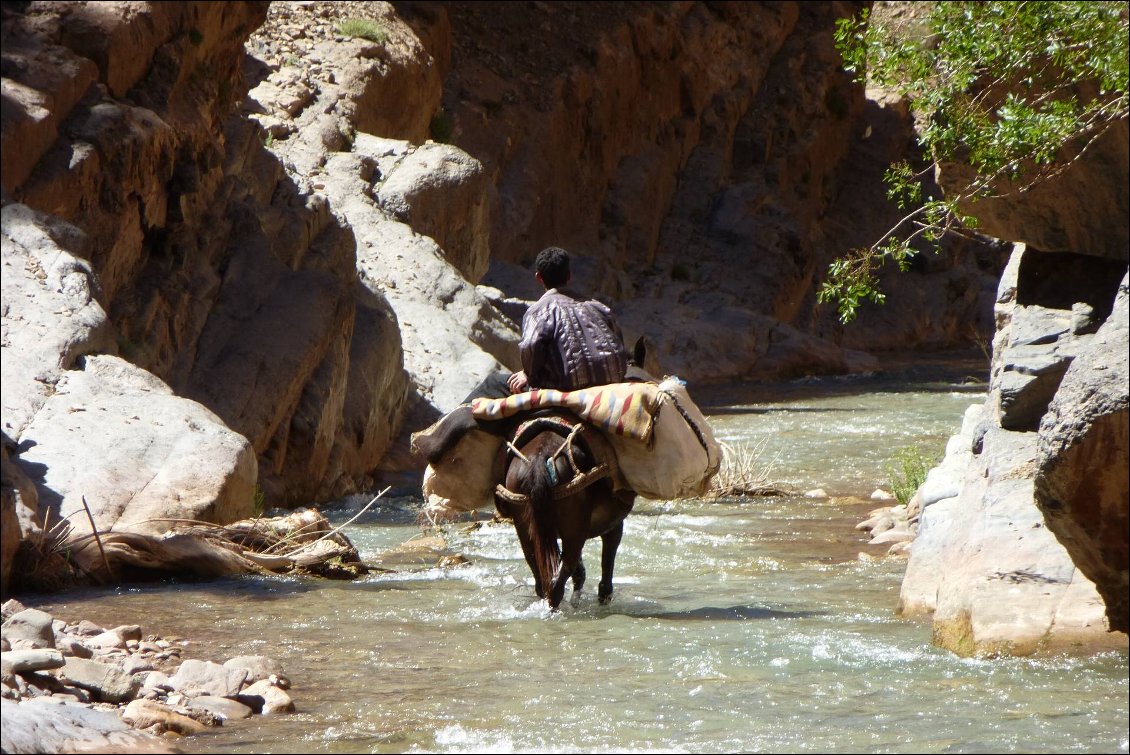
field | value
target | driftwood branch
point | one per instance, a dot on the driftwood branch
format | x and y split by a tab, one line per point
287	544
97	539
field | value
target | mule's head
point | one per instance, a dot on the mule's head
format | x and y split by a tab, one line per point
636	372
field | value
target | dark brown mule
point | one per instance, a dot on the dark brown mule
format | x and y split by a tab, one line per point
557	488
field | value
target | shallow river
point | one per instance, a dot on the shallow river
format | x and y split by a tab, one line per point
744	625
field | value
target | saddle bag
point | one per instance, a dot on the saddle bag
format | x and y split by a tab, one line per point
680	458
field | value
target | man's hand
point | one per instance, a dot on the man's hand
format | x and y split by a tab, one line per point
517	383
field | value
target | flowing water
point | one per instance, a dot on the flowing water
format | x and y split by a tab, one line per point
739	625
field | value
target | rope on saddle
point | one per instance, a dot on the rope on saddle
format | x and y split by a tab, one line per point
574	486
569	431
693	425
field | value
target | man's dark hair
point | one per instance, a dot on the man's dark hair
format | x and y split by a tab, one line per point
553	266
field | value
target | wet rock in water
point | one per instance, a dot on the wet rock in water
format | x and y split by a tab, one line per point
259	667
418	552
882	523
46	725
29	628
892	535
881	495
264	697
221	707
195	678
816	493
107	682
901	549
150	715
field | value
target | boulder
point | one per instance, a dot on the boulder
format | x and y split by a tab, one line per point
441	192
258	667
30	628
105	681
1082	210
1081	484
150	714
221	707
51	317
266	698
195	678
171	457
26	661
43	725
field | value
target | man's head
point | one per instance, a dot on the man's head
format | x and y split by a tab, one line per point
552	267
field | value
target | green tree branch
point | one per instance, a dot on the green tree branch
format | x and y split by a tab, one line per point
1018	91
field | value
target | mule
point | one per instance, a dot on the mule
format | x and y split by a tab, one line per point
557	488
559	491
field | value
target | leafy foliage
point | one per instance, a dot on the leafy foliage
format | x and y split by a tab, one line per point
442	126
373	31
907	470
1015	90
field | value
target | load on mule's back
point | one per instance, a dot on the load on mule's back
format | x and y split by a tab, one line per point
570	439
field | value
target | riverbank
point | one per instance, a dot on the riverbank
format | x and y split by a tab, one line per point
76	686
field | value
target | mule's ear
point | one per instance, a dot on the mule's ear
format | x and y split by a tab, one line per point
639	352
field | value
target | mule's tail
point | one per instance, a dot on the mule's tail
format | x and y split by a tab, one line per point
542	521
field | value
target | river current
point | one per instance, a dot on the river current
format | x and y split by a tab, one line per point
749	624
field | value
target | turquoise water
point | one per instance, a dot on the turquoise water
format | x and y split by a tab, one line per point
738	625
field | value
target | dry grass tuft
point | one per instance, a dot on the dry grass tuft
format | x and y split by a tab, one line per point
745	472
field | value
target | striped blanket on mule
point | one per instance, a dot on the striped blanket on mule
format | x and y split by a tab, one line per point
624	409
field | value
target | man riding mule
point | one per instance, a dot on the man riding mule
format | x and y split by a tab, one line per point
567	343
547	445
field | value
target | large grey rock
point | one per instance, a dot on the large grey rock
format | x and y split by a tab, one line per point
105	681
221	707
51	316
441	192
30	628
1081	483
39	659
273	699
984	563
151	714
436	309
1039	350
919	592
117	436
42	725
195	678
994	577
258	666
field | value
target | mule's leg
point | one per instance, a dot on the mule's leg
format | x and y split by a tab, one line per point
609	542
528	551
579	576
570	557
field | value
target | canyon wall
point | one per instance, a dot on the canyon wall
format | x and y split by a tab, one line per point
246	253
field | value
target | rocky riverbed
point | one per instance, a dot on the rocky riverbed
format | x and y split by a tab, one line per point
77	686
